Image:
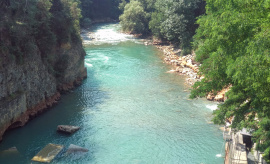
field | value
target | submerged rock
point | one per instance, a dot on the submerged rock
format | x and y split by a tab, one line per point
12	155
75	149
67	128
11	150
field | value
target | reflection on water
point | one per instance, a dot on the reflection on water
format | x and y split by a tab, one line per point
129	110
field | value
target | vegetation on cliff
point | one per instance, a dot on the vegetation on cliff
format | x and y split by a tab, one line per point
46	30
41	54
28	26
232	43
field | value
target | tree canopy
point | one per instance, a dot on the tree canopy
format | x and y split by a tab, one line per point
28	26
134	18
232	43
173	20
100	9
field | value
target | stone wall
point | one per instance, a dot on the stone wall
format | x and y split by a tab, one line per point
235	150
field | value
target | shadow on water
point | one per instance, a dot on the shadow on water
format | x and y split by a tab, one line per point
74	108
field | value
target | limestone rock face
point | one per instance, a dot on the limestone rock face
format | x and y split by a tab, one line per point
30	87
67	128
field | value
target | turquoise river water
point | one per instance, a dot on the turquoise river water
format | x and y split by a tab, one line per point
129	109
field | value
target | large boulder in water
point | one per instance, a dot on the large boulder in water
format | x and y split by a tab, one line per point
67	128
76	149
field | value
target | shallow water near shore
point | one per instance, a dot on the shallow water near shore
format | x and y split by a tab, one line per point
129	109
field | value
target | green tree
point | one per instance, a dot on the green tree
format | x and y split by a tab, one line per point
65	20
86	6
155	24
17	26
232	44
30	26
157	17
122	5
174	20
134	18
100	9
148	5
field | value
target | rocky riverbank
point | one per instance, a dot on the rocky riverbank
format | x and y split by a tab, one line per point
184	65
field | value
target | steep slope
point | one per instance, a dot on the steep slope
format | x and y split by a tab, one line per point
41	55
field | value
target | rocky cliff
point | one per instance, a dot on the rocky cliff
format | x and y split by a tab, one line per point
28	89
36	63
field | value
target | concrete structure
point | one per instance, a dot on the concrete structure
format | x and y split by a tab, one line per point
48	153
235	150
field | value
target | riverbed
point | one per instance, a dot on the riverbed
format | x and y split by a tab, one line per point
129	109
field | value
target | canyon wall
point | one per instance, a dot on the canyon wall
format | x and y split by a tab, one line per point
41	56
28	89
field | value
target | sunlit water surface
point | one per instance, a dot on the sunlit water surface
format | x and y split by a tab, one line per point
129	109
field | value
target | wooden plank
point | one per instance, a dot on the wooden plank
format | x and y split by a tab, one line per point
48	153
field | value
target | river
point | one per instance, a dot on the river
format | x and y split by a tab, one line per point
129	109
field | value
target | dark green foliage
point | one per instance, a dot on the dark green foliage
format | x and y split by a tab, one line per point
134	18
45	38
137	15
100	9
86	6
61	22
157	17
173	20
15	30
122	5
148	5
180	25
27	27
232	44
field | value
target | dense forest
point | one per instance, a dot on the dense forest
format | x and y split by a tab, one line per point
231	41
99	10
170	20
26	26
